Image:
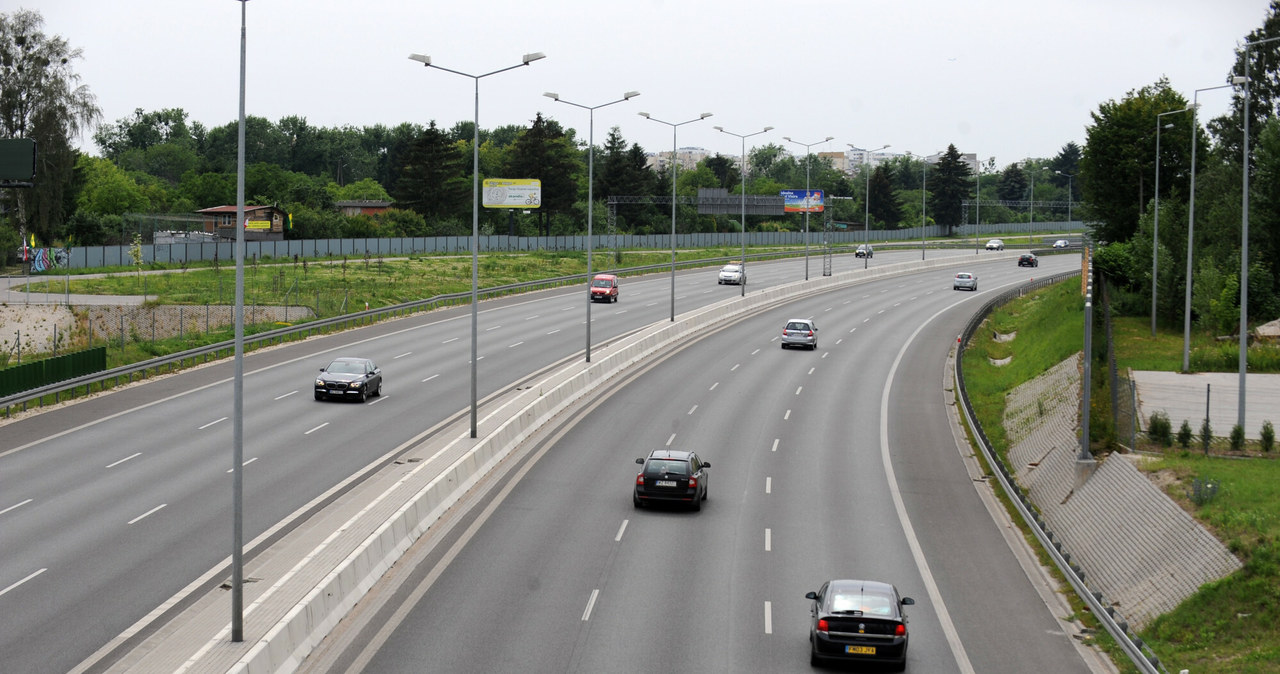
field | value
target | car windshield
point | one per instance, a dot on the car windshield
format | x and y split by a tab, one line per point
666	467
731	268
601	283
345	367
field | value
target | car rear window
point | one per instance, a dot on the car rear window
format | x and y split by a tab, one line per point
868	604
666	467
797	326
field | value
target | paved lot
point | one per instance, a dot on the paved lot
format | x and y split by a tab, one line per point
1183	396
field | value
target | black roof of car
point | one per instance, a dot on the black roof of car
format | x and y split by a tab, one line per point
670	454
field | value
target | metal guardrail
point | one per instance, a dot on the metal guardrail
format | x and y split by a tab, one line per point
107	379
1143	658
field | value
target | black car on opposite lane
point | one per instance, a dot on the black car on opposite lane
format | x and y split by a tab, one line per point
671	476
858	621
348	378
1028	260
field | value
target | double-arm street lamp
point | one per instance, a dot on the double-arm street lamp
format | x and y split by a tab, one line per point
1155	235
744	137
866	202
807	203
591	201
924	192
1191	222
475	206
674	126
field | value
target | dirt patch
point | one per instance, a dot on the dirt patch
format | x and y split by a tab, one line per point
33	329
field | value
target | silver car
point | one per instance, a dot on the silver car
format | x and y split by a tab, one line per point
965	280
800	332
732	273
995	244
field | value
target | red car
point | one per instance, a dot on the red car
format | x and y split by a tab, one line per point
604	288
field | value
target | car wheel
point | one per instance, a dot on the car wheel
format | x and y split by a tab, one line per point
363	394
635	501
378	391
784	346
697	504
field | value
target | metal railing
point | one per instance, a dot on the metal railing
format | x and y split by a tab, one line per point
1143	658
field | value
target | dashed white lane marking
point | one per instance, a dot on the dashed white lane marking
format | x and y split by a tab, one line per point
812	369
430	378
768	485
451	339
775	445
691	409
244	464
671	439
787	415
512	346
493	328
713	386
406	353
131	456
554	331
586	615
768	540
148	513
735	366
768	617
799	389
215	421
29	577
316	428
620	530
285	395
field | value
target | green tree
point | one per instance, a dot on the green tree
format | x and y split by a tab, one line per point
41	98
143	131
1064	169
1012	184
434	180
727	175
366	189
108	190
545	152
950	185
884	204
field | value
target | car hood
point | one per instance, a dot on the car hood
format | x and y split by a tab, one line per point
340	376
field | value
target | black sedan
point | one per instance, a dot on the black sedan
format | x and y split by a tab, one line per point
858	621
1028	260
671	476
349	378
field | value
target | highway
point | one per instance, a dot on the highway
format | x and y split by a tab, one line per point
114	504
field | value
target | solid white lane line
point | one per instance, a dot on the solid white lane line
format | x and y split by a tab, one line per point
377	400
33	575
775	445
713	386
768	540
131	456
285	395
430	378
768	617
215	421
451	339
586	615
149	512
620	530
768	485
402	355
671	439
14	507
917	553
691	409
316	428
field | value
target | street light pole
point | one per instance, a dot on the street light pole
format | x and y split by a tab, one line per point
866	203
674	126
591	200
744	137
1191	224
808	204
475	207
1155	235
924	190
1070	184
237	422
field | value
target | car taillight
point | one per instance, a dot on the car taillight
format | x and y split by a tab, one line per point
640	479
822	625
900	630
810	333
693	482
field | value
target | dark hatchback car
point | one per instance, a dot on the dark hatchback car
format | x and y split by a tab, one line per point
858	621
349	378
671	476
1028	260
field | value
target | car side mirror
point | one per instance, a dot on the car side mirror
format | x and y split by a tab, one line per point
811	595
908	601
322	369
640	461
706	464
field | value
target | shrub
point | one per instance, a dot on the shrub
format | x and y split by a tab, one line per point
1160	429
1237	438
1206	434
1185	435
1202	491
1268	436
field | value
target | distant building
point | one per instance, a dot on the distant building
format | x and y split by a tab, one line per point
262	223
687	156
362	207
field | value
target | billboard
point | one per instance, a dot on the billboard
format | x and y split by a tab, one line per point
17	162
802	201
512	193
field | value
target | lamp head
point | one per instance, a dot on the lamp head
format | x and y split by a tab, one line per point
530	58
827	138
421	58
704	115
788	139
768	128
1239	80
630	95
719	128
643	114
552	95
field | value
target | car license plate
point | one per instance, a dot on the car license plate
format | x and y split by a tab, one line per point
336	393
664	483
860	650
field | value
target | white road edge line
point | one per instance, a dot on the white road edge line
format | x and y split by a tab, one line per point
14	507
33	575
586	615
931	585
621	529
131	456
148	513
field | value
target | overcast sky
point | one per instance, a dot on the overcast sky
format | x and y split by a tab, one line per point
1008	79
